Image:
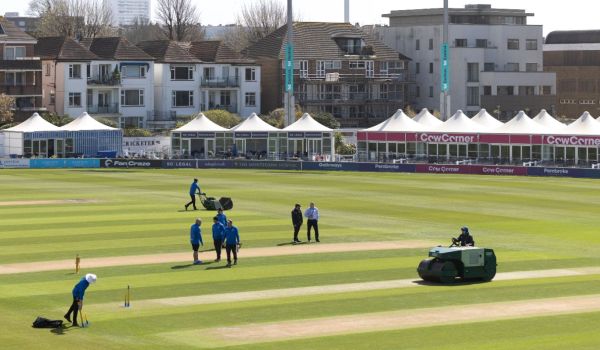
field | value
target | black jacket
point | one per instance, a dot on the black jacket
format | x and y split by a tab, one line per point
297	217
466	240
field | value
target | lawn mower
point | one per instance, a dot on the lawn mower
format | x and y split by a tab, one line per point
210	203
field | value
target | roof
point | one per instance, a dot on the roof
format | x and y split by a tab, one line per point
201	123
484	119
85	122
115	48
33	124
476	9
547	120
397	122
317	40
307	123
521	124
215	51
167	51
584	125
427	119
459	122
62	49
573	37
254	123
10	32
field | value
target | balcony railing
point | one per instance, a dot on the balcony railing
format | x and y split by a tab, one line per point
110	108
351	97
404	77
220	82
21	89
163	116
102	79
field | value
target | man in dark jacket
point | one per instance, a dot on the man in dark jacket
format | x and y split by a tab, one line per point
297	221
465	239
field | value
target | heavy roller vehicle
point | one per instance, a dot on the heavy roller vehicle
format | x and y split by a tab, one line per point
449	264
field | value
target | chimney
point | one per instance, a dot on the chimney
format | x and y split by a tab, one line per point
347	11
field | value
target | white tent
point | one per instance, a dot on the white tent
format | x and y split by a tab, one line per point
254	123
85	122
521	124
33	124
460	123
584	125
486	120
428	120
307	123
397	122
200	123
552	125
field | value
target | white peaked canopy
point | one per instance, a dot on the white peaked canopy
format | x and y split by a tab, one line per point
201	123
254	123
584	125
459	122
545	119
521	124
33	124
427	119
307	123
486	120
85	122
397	122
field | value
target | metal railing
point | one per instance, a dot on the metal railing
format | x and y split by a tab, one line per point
102	79
220	82
164	116
109	108
230	108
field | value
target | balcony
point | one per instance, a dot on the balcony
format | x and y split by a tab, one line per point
21	89
111	108
103	80
162	116
350	97
345	77
228	82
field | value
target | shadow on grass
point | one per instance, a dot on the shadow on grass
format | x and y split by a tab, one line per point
178	267
218	267
456	283
63	330
291	243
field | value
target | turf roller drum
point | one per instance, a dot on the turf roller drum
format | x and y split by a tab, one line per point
211	203
446	265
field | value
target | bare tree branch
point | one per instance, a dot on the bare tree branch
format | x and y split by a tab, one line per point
179	19
261	18
72	18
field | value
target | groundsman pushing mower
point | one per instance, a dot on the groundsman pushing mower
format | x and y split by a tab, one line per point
454	262
210	203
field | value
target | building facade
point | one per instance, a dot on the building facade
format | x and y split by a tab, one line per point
496	58
127	12
20	70
575	58
337	69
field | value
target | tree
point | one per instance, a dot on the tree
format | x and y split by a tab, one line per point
223	118
179	19
6	105
142	30
58	120
72	18
136	132
341	147
277	116
326	119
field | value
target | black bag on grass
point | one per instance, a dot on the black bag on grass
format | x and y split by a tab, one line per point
42	322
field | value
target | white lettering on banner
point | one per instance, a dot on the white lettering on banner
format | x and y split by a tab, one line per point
556	171
14	163
488	170
387	166
447	138
329	165
573	140
443	169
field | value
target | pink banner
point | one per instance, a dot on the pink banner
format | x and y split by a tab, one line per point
470	169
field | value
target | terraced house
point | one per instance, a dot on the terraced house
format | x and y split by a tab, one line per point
107	77
338	68
20	70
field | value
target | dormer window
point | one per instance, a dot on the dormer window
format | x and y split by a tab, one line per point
351	46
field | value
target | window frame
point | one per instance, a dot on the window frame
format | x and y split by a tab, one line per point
190	72
250	97
250	74
141	99
190	98
72	71
513	42
72	97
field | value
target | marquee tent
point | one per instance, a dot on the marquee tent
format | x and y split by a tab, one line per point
200	137
486	120
544	118
307	138
254	138
427	119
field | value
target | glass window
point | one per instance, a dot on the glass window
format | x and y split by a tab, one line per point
132	97
472	72
489	67
14	52
431	91
481	43
487	90
546	90
461	43
431	67
250	74
182	73
531	44
182	98
250	99
417	67
75	71
133	71
74	99
417	44
526	90
357	65
430	44
418	91
512	44
531	67
512	67
473	96
505	90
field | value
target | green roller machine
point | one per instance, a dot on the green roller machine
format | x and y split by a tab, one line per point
446	265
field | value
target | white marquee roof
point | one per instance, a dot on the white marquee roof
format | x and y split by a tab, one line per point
521	124
427	119
545	119
254	123
201	123
397	122
33	124
85	122
459	122
585	125
486	120
307	123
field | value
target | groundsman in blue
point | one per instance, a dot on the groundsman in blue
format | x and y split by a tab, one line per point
221	217
218	232
196	239
232	240
78	293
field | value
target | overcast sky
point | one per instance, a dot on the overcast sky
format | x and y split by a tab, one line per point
573	15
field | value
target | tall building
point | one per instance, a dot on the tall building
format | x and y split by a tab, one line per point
496	58
125	12
338	69
575	58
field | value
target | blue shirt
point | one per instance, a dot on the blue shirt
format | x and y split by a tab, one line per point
222	219
312	213
195	234
79	289
218	231
231	235
193	188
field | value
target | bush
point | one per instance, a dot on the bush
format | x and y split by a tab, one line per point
223	118
108	122
58	120
327	119
136	132
341	147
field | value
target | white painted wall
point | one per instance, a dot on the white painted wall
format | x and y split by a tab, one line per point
72	85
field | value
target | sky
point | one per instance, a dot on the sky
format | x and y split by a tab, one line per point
577	15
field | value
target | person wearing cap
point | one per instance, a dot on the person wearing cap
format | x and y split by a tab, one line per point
232	240
78	293
465	239
196	239
297	221
194	187
312	216
221	217
218	233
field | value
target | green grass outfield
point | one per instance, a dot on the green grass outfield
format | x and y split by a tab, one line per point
532	223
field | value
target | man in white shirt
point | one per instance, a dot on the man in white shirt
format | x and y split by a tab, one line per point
312	216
